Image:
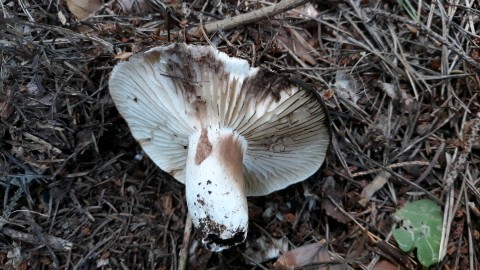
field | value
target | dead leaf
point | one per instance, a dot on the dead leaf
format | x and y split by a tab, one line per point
388	88
412	29
265	248
131	5
385	265
167	204
310	254
296	42
123	55
374	186
305	11
328	94
81	9
329	207
386	250
346	87
6	109
358	247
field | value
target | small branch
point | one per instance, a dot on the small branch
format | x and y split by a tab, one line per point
54	242
10	206
470	137
182	260
392	166
63	31
248	18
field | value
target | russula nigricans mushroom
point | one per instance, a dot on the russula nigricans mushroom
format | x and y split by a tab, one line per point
224	129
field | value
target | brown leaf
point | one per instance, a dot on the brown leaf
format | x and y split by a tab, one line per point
265	248
309	254
328	94
298	256
332	211
385	265
81	9
167	204
296	43
412	28
123	55
6	109
380	180
330	208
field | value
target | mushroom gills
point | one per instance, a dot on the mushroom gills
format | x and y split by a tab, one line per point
215	186
193	109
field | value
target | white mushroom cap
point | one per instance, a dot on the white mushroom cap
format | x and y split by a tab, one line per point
223	128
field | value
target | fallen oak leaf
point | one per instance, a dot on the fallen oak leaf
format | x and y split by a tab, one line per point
81	9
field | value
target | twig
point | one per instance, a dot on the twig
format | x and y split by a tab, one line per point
252	261
392	166
248	18
432	163
182	257
372	237
471	244
64	31
55	242
10	206
470	135
429	32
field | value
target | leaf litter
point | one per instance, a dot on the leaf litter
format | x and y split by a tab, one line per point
402	90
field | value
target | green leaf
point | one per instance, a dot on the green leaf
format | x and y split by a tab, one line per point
405	239
421	228
407	5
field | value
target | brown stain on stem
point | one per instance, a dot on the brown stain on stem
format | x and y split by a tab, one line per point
204	148
231	154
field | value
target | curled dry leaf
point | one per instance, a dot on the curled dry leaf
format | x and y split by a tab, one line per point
377	183
346	87
310	254
306	11
81	9
388	88
265	248
123	55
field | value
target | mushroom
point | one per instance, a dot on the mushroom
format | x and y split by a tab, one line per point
224	129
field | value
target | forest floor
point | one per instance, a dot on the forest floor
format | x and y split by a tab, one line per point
401	81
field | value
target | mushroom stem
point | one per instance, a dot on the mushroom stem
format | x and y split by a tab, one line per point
215	187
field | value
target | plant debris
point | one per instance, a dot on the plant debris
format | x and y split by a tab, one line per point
399	78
